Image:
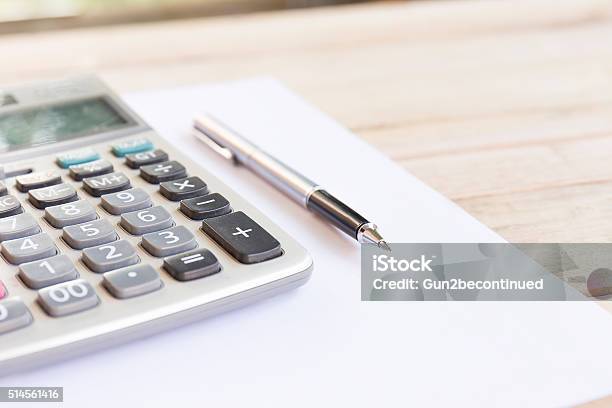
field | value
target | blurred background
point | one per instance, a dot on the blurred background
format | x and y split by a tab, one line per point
38	15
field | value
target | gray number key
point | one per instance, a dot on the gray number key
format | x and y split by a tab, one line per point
126	201
145	221
53	195
132	281
13	315
18	251
115	255
77	212
18	226
68	298
9	205
169	242
90	234
40	274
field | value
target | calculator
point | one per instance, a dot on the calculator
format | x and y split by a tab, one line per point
108	233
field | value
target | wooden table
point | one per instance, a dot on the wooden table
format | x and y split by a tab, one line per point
505	107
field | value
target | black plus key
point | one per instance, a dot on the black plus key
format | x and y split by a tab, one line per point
41	179
95	168
108	183
242	237
9	205
208	206
143	158
192	265
165	171
180	189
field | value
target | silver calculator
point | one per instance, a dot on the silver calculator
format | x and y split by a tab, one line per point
107	233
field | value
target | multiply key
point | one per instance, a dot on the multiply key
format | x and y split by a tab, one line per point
108	183
181	189
54	195
166	171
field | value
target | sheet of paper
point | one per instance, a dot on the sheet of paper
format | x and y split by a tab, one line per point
320	345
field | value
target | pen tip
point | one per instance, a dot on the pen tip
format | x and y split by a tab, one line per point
383	245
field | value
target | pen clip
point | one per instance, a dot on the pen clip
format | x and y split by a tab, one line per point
212	143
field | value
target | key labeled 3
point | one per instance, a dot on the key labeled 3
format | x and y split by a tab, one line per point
169	242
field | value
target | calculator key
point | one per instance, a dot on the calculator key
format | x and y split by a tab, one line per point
3	189
3	291
144	221
169	242
14	315
78	212
165	171
126	201
79	172
242	237
65	160
106	184
89	234
68	298
132	281
208	206
41	179
53	195
18	226
143	158
9	205
192	265
114	255
180	189
28	249
51	271
131	146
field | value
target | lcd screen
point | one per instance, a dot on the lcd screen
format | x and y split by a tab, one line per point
55	123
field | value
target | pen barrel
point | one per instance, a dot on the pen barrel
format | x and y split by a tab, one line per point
336	212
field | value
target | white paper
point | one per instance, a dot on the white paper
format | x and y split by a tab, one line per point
320	345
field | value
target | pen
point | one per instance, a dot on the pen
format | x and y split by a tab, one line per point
299	188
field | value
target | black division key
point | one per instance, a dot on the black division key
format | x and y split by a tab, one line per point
180	189
242	237
136	160
41	179
192	265
165	171
108	183
208	206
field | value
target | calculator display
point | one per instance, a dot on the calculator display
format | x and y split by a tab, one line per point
58	122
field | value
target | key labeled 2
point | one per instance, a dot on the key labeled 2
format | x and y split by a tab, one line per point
107	257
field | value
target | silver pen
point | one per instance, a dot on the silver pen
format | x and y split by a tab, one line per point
299	188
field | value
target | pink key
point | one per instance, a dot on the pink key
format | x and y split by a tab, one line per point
2	290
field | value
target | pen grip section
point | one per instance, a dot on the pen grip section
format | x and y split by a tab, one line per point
336	212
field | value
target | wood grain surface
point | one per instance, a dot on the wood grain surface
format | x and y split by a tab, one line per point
504	107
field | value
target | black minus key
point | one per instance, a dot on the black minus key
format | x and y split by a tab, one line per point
164	171
136	160
242	237
192	265
208	206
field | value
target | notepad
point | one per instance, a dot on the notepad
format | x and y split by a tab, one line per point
320	345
